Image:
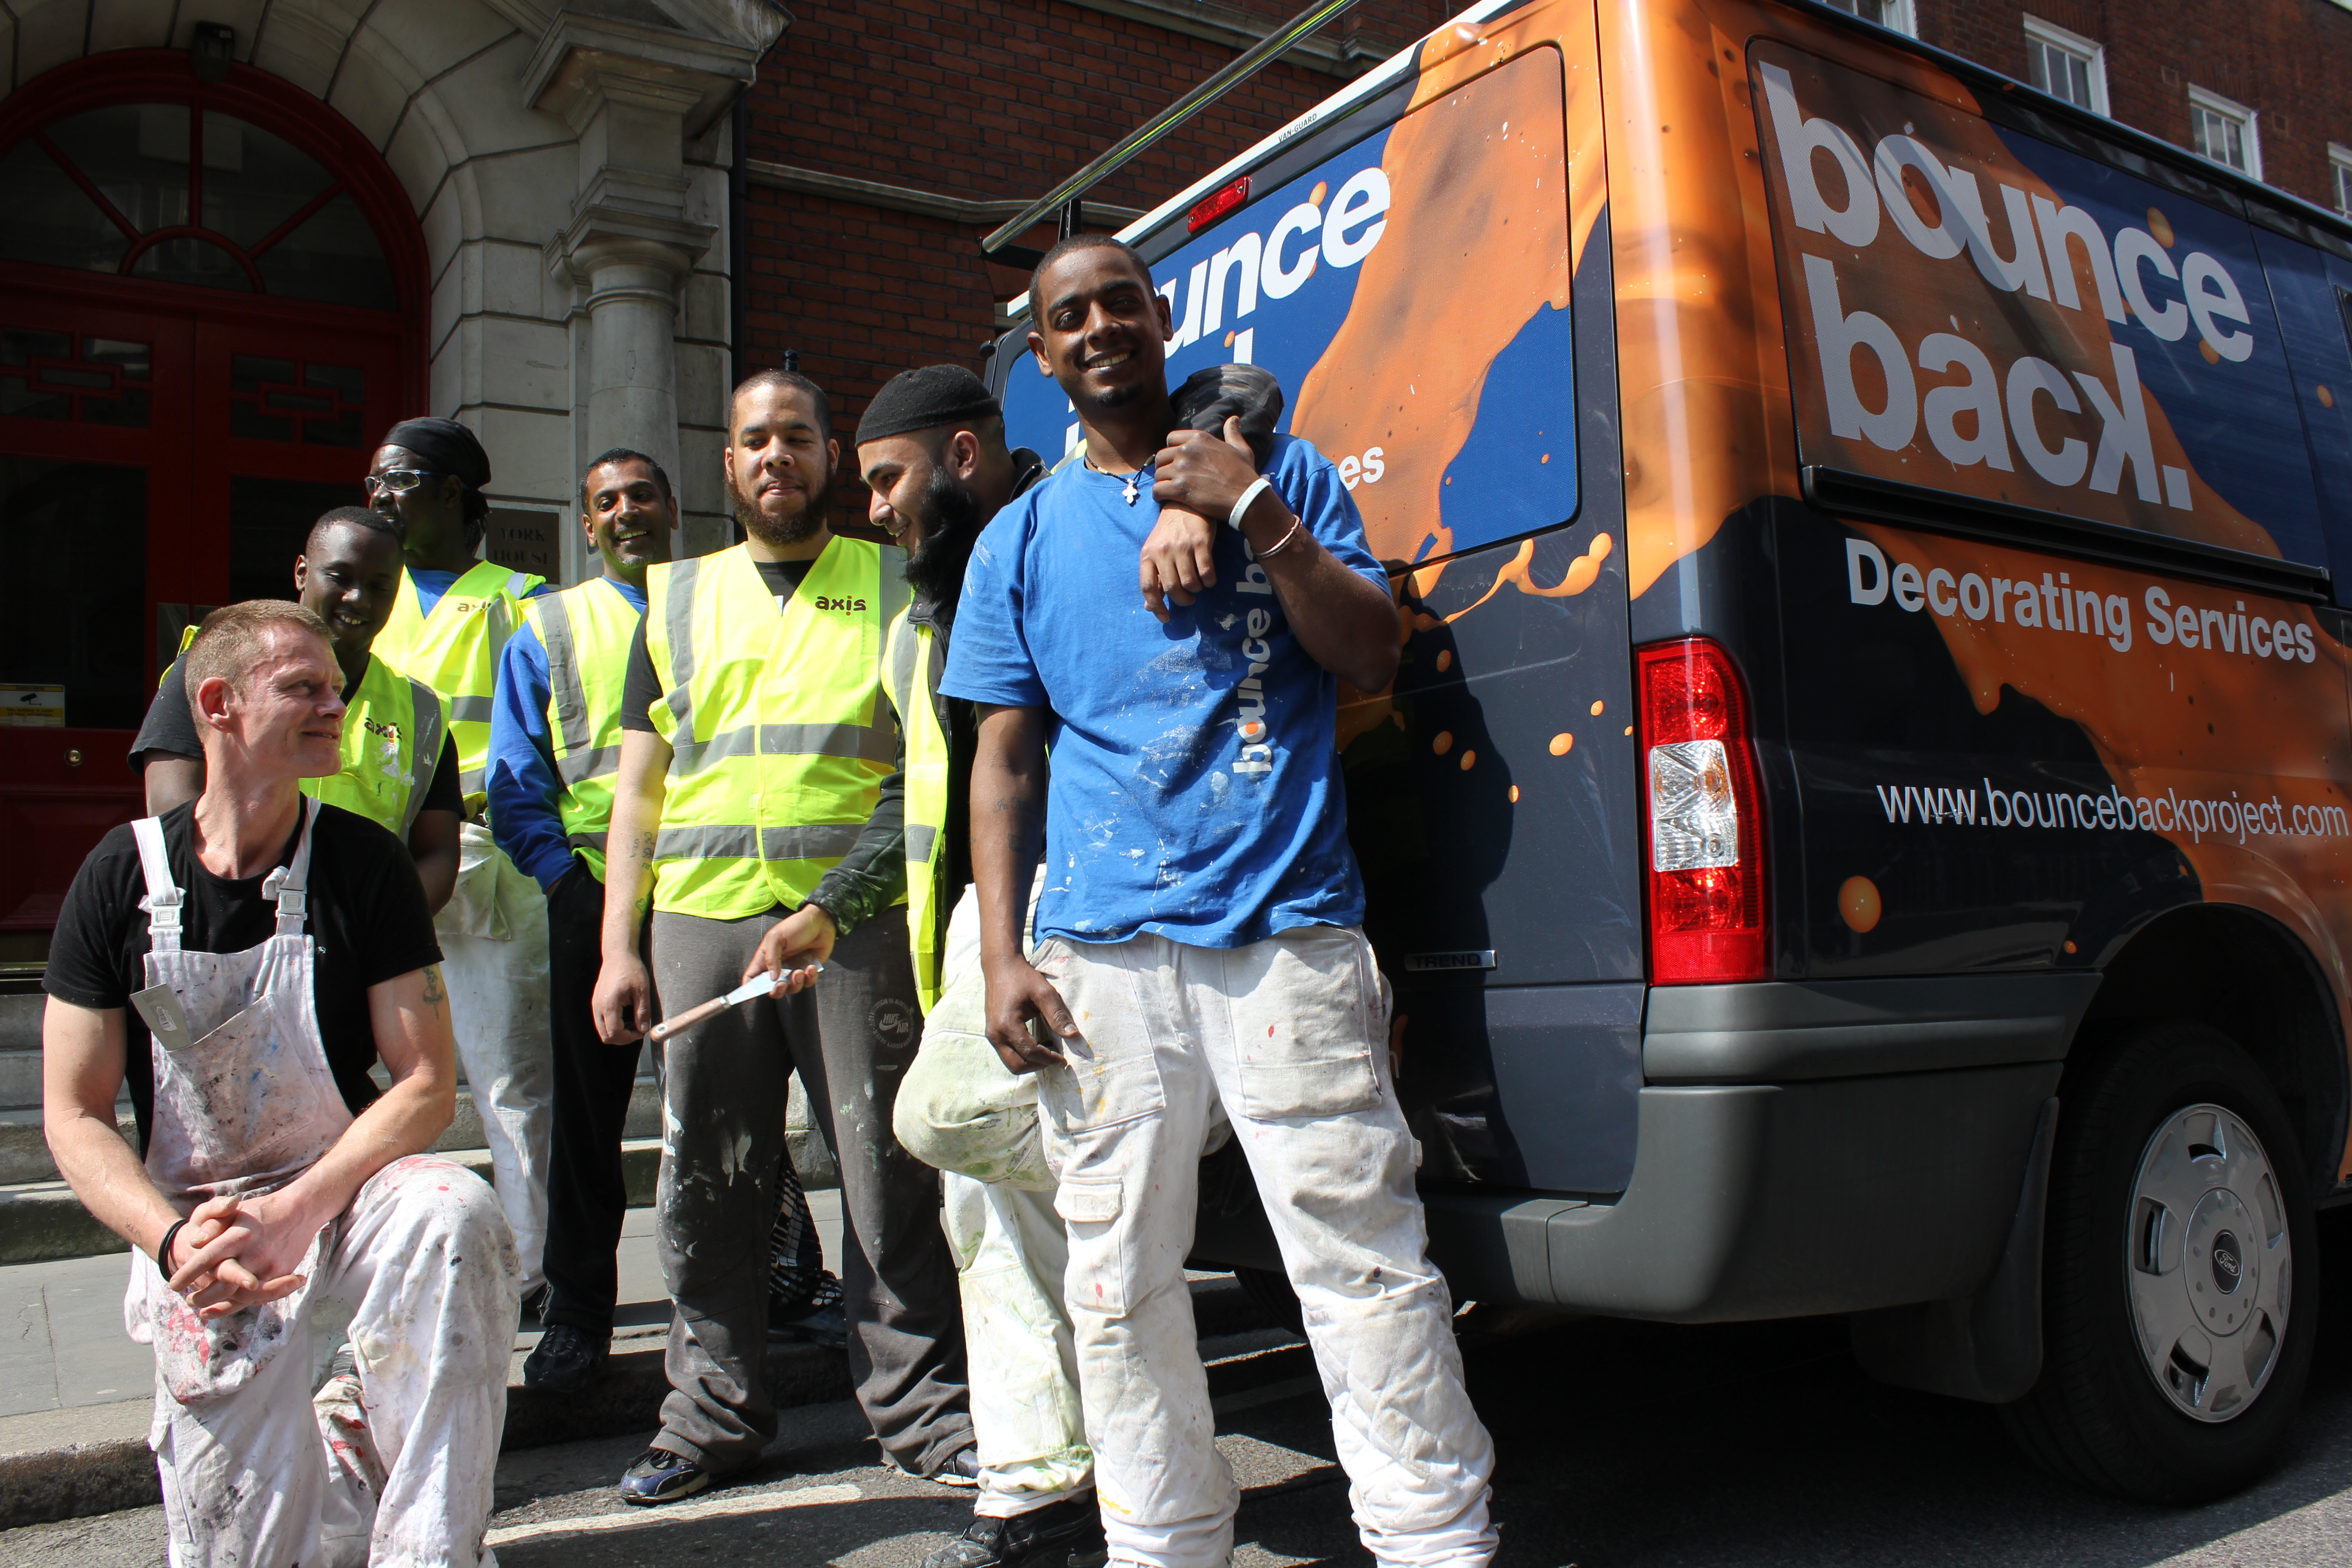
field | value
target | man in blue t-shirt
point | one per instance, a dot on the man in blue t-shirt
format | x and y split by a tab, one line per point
1199	952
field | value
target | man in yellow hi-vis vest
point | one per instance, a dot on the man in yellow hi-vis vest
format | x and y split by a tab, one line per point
555	742
453	617
400	767
756	745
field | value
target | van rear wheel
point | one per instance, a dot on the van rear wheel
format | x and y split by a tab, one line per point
2177	1326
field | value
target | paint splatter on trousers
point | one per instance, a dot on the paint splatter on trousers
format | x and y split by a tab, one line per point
723	1096
264	1477
1284	1038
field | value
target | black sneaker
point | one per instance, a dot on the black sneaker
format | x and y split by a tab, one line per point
566	1360
660	1476
826	1325
1066	1534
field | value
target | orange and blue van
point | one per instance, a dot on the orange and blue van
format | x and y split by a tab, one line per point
1861	826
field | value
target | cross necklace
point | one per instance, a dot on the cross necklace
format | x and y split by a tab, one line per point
1128	489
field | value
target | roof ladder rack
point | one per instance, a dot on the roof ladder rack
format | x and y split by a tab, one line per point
999	246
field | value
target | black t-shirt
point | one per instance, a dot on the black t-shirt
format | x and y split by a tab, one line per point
170	729
642	688
367	922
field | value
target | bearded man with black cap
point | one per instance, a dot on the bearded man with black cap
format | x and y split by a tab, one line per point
452	619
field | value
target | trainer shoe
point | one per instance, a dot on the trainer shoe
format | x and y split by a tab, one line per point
660	1476
565	1361
827	1325
1066	1534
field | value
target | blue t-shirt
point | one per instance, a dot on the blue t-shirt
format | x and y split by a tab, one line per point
1196	790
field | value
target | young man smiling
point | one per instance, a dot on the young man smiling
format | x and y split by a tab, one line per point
1199	952
242	961
555	738
400	762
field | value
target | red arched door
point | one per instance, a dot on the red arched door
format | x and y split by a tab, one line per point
209	297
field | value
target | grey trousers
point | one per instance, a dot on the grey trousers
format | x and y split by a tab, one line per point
851	1038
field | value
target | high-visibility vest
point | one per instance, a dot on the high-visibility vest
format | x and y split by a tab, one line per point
779	731
586	632
391	742
911	664
455	650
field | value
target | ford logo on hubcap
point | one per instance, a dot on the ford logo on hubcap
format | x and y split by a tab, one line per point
2226	1262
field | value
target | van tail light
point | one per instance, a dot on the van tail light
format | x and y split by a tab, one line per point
1706	822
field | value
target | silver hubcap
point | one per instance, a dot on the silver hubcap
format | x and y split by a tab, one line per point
2208	1262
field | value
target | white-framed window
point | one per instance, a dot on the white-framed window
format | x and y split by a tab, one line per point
2339	174
2066	65
1894	15
2224	131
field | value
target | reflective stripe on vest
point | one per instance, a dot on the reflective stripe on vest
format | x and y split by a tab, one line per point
778	729
586	632
455	650
913	676
391	742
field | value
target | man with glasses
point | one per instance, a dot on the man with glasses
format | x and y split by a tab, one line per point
453	617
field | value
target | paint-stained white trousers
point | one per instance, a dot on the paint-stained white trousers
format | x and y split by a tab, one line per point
1288	1037
964	1111
400	1476
493	936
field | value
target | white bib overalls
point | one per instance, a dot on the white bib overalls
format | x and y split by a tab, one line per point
393	1466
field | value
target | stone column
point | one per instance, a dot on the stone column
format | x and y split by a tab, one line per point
632	282
633	98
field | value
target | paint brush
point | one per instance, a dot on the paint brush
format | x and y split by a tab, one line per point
751	990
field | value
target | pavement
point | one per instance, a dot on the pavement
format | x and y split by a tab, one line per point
1623	1444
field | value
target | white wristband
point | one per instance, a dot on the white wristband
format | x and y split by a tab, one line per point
1241	507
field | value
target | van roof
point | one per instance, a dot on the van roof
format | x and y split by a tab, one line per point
2267	203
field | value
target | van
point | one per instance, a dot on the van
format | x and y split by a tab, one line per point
1861	825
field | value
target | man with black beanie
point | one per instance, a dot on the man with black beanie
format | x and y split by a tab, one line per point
452	619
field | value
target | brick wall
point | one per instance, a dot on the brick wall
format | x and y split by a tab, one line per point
982	99
2289	59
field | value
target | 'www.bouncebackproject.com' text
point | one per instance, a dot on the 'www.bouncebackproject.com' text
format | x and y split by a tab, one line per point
2231	818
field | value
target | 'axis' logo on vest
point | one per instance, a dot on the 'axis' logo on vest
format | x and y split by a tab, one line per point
839	603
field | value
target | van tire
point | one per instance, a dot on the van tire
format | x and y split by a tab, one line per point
2098	1414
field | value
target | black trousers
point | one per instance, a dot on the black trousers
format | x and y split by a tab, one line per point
586	1195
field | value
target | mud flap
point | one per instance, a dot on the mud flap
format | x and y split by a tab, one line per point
1987	1346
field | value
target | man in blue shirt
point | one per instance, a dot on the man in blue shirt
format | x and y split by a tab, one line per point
1199	952
549	814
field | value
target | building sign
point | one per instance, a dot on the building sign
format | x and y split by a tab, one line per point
526	541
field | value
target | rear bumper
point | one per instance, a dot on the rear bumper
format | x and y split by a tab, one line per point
1803	1148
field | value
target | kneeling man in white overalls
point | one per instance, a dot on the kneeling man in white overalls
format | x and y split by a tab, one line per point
242	961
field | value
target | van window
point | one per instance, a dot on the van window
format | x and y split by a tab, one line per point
1412	295
1974	310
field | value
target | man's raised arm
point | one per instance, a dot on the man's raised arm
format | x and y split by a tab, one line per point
1345	623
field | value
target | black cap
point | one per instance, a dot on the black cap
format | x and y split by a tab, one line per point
446	447
924	399
1246	392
